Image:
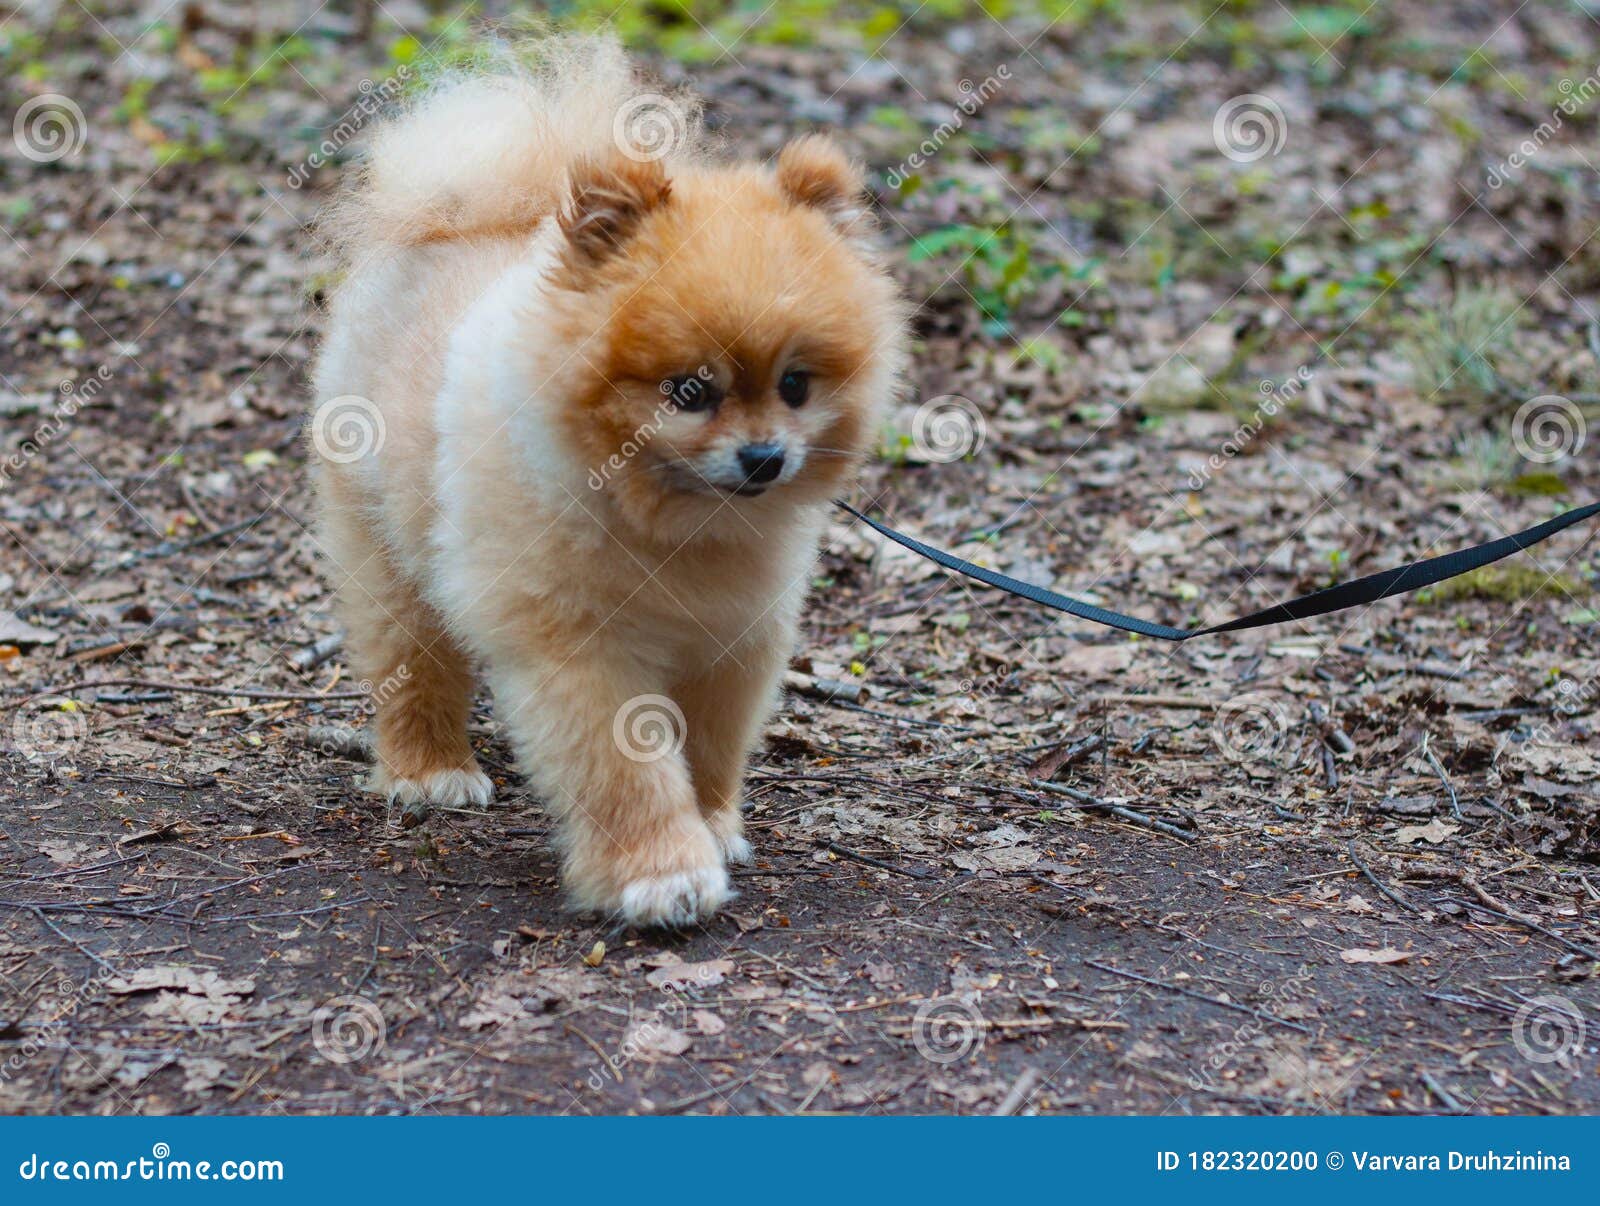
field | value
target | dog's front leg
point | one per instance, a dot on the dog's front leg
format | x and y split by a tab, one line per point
606	752
727	703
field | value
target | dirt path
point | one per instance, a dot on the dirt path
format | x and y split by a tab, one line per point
1355	863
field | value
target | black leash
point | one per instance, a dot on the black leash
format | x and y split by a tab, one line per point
1335	598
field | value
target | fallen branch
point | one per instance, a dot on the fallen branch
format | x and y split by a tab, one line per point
1084	800
1258	1014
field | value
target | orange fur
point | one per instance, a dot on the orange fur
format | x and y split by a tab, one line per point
538	505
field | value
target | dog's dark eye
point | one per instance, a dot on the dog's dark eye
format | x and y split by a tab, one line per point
691	393
794	385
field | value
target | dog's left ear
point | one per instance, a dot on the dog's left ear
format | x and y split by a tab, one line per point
610	197
813	171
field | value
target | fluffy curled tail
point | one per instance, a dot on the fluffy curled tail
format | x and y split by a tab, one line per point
487	151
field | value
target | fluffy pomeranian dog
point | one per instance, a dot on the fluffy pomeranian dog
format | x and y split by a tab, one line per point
585	395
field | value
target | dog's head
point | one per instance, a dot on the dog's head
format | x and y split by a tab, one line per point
734	333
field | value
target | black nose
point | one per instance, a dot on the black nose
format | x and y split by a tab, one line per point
761	462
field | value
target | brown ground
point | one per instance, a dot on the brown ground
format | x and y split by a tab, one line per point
1355	869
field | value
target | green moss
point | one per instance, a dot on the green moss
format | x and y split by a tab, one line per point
1537	485
1505	584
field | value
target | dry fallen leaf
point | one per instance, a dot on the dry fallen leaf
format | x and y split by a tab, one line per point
1434	831
691	975
1388	954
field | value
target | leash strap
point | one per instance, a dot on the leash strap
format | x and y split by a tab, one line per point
1335	598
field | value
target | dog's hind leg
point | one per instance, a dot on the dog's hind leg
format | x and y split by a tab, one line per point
421	681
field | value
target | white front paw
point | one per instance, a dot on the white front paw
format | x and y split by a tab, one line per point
727	826
678	899
455	788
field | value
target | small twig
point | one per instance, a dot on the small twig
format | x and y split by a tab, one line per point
1258	1014
1488	904
68	938
1427	752
1445	1098
1378	884
315	654
150	684
1017	1095
616	1072
867	860
1156	701
1085	800
168	547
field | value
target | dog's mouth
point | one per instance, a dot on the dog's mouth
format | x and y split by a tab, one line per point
686	478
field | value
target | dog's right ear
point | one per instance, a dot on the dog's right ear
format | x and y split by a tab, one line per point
608	200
